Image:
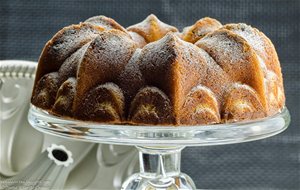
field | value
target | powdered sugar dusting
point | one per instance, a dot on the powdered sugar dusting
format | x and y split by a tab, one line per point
248	33
205	90
225	48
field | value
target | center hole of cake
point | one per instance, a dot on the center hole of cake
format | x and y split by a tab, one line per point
60	155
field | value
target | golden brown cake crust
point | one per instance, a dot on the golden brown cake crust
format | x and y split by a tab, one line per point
200	107
103	61
105	22
268	60
200	29
236	58
64	44
151	106
103	103
152	29
241	103
151	74
65	97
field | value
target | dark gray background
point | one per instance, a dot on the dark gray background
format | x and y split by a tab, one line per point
273	163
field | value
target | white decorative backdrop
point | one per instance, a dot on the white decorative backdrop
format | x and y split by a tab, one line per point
26	155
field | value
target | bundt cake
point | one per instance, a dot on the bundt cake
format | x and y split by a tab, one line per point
150	73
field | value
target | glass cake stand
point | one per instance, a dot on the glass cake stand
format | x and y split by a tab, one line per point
159	146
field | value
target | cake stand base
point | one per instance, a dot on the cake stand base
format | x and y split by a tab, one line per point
159	169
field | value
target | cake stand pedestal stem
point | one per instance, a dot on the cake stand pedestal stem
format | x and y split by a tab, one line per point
159	169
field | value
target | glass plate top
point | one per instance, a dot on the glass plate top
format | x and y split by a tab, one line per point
203	135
